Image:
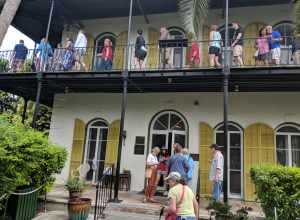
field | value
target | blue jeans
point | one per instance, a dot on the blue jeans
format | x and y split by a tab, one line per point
105	65
217	190
185	218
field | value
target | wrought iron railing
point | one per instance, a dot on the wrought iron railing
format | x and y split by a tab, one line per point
104	192
174	54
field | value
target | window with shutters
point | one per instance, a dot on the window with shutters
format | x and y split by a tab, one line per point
288	145
139	146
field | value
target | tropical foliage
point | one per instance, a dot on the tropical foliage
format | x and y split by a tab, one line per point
278	186
27	158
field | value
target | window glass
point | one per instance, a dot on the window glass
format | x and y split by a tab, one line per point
99	123
235	140
164	120
290	129
295	140
159	126
230	128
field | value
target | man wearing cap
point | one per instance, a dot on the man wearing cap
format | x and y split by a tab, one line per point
216	171
182	201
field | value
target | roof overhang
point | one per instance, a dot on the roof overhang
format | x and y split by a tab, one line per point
275	79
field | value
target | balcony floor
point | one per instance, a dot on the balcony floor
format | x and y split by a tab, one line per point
252	79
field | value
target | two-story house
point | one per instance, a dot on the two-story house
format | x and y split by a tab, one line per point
166	106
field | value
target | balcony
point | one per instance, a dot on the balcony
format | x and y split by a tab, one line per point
177	74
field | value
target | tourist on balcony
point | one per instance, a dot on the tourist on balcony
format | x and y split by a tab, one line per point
296	48
69	55
140	50
216	172
178	163
58	57
80	47
215	44
151	174
194	55
190	161
262	46
19	56
182	204
237	44
106	56
274	44
44	53
165	52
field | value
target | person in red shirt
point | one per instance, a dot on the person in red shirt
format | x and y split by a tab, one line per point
194	55
106	55
162	169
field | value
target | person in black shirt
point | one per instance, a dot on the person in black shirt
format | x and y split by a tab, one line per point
237	44
140	49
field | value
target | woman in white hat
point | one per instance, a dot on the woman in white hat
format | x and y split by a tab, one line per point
182	201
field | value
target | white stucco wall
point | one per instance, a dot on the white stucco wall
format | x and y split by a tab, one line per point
245	109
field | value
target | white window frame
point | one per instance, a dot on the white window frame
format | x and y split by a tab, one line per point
289	135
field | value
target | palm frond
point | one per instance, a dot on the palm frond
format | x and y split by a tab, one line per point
193	14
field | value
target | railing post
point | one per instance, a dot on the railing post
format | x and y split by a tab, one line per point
37	101
96	203
24	110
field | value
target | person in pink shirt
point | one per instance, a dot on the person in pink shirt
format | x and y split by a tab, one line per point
194	55
262	46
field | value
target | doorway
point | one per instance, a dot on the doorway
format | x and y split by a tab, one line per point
235	157
167	128
178	53
95	149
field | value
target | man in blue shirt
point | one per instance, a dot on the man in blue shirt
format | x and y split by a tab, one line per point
178	163
19	56
274	43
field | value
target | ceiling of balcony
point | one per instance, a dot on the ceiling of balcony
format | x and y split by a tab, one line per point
32	16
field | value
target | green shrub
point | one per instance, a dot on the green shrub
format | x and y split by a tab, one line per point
279	187
27	158
4	65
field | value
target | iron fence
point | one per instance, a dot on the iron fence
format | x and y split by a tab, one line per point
169	54
104	191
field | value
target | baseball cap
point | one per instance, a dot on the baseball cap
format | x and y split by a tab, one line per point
174	176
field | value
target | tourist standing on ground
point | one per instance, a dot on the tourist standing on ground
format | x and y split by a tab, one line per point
106	55
237	44
162	170
80	46
178	163
215	44
151	174
274	42
69	55
140	50
262	46
194	55
190	160
216	172
182	201
19	56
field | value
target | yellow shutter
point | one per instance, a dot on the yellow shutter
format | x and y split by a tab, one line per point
77	145
206	139
112	143
259	149
88	58
121	42
204	46
153	55
252	32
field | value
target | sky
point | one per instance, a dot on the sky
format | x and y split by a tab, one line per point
12	37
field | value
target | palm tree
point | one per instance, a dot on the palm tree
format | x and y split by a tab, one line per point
7	15
193	14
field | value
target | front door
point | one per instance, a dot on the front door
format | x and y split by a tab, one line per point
95	152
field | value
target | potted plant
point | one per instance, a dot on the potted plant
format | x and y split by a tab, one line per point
79	208
75	186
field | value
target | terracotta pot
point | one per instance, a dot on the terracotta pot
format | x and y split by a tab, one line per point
74	194
79	208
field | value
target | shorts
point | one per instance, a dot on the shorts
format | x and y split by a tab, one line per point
140	54
214	50
262	57
238	51
276	53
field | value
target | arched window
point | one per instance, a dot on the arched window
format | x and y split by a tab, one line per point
288	145
95	148
235	153
286	29
167	128
178	54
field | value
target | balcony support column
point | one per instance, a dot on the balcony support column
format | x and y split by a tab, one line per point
226	73
37	100
24	110
123	108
